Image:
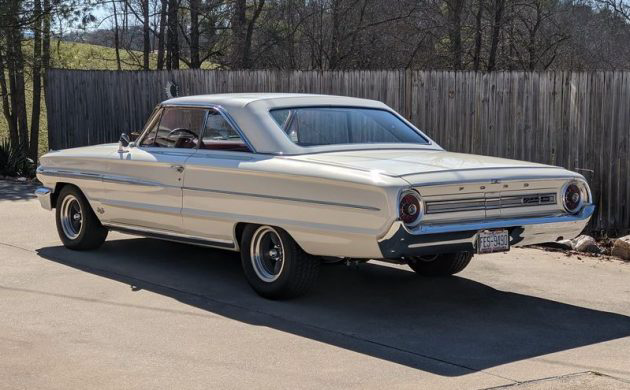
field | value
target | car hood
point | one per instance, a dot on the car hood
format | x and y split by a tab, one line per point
411	164
100	150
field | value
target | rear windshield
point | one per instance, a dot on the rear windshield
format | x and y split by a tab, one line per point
313	126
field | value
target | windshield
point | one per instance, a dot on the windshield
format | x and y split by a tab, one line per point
313	126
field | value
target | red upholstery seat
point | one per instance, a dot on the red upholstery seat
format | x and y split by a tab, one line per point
238	146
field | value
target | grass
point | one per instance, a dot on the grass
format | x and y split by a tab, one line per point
71	55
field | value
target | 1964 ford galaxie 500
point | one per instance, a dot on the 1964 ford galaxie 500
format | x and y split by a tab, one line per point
290	179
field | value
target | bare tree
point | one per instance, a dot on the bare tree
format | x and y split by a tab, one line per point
195	61
172	36
497	26
46	42
455	9
620	7
37	79
478	35
146	34
161	36
116	36
243	31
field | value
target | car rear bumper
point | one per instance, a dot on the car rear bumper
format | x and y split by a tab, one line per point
44	194
448	238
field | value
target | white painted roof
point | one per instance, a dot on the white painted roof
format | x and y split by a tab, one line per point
250	111
273	99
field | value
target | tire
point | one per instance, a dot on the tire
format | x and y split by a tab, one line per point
440	265
274	264
77	225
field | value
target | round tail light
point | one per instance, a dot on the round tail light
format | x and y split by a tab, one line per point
410	207
573	197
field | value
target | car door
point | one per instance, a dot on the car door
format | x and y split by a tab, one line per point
213	172
143	184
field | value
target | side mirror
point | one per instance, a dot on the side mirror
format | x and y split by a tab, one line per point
123	142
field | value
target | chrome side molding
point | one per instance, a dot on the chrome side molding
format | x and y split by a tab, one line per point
172	236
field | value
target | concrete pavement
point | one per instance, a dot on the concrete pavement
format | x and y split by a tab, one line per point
141	313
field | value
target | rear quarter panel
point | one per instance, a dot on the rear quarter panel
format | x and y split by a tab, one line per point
329	211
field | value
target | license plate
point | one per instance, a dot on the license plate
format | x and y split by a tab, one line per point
489	241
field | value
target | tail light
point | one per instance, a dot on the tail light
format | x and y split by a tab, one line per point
410	208
574	195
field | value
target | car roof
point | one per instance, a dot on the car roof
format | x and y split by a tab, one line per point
240	100
249	114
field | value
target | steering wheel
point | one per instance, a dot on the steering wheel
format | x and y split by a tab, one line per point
183	142
181	130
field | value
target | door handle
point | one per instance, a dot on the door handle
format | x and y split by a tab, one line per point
178	168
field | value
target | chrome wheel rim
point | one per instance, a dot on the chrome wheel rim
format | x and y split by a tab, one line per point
71	217
267	254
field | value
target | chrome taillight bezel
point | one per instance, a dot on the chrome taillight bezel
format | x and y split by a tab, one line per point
584	192
420	207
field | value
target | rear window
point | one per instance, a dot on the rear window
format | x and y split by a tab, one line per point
314	126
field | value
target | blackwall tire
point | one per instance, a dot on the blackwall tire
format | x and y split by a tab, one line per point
274	264
77	225
440	265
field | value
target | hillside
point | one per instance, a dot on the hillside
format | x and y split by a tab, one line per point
72	55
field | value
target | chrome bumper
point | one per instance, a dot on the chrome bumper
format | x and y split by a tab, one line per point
44	194
448	238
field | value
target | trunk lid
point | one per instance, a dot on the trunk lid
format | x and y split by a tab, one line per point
433	165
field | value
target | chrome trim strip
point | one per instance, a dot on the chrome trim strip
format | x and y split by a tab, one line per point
130	180
480	169
584	214
44	195
178	152
529	179
493	203
171	236
428	244
69	174
141	206
100	177
222	155
370	208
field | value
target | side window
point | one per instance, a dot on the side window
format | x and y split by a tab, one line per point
178	128
218	134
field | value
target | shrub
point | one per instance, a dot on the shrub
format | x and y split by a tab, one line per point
14	160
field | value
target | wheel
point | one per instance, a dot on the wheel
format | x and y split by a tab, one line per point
274	264
440	265
77	225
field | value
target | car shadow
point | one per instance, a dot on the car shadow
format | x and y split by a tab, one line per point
15	190
448	326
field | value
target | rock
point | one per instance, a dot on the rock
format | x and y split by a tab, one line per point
621	248
22	179
585	243
564	244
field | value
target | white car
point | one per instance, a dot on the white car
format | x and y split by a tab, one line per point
291	180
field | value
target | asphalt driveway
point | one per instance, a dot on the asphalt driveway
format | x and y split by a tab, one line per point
141	313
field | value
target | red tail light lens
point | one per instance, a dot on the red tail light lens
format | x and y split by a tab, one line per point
572	198
410	207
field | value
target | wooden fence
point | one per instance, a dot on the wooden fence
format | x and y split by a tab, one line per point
578	120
